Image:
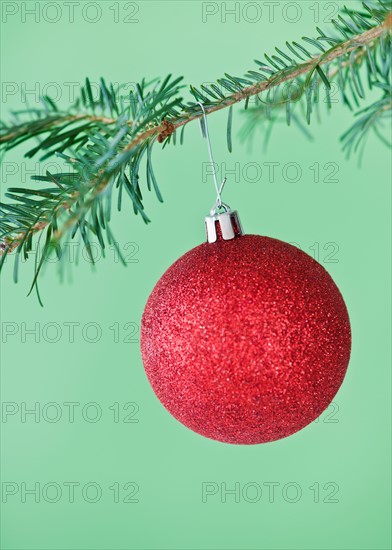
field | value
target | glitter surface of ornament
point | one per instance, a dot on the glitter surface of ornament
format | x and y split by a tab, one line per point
245	341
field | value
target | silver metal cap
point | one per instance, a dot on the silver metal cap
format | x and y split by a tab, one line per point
225	225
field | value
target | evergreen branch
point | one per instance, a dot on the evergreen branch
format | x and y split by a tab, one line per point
262	111
106	138
21	130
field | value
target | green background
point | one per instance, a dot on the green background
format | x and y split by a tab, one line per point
344	456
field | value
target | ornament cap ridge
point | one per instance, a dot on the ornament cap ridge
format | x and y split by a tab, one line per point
223	226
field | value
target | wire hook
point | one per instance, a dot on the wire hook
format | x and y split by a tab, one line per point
218	203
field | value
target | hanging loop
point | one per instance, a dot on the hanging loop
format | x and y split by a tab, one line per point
218	203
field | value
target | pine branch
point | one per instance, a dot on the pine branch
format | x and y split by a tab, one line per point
105	139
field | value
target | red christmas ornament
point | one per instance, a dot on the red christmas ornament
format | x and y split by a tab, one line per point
246	339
